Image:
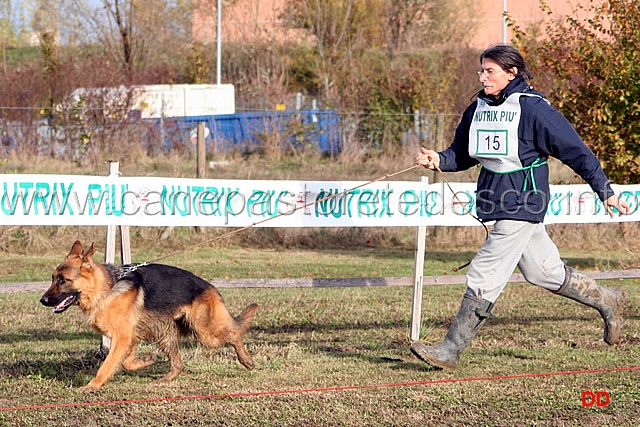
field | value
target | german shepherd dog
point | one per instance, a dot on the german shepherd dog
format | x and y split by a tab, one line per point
153	302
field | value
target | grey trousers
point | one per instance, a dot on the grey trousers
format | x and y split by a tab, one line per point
515	243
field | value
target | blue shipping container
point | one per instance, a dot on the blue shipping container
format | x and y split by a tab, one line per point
301	129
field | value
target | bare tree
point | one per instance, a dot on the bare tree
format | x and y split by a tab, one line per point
401	16
134	33
348	33
122	12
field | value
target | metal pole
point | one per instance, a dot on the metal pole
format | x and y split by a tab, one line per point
504	21
219	44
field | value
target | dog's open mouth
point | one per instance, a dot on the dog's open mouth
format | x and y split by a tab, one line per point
67	302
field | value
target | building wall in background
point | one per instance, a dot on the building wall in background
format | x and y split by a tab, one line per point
525	13
248	20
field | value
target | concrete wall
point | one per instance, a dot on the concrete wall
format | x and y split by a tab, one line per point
524	12
248	19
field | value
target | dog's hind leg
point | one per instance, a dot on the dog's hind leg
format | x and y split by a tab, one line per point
243	355
211	339
169	343
213	326
243	322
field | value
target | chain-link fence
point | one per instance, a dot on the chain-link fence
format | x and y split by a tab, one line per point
76	132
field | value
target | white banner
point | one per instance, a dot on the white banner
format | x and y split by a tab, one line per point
143	201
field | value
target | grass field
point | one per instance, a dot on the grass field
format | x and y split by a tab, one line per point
334	357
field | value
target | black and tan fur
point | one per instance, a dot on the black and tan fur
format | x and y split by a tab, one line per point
154	302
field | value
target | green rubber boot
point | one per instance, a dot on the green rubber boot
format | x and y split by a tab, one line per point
610	302
470	318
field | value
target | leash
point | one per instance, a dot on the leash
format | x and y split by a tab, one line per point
455	195
240	230
133	267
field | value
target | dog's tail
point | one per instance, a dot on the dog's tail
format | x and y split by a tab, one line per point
245	319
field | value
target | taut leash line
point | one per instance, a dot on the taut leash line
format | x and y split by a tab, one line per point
240	230
455	195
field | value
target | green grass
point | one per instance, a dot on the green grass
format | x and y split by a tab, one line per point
241	263
252	263
340	337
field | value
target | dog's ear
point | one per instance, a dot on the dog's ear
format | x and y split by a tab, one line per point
88	253
87	262
76	249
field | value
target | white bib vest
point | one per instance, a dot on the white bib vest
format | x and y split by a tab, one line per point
493	137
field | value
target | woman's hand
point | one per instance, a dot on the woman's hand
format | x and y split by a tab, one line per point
615	202
428	158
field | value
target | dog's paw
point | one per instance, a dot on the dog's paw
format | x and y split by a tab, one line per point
139	362
89	388
147	358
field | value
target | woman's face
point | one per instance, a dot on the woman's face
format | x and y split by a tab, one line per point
493	78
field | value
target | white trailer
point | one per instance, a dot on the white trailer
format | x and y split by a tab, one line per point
158	101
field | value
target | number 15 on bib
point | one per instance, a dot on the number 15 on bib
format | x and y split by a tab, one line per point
491	143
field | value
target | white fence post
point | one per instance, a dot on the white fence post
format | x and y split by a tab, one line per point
110	251
418	275
110	238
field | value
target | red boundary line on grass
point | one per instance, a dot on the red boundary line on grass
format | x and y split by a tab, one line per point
320	389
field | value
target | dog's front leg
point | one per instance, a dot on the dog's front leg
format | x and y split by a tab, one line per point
121	348
133	362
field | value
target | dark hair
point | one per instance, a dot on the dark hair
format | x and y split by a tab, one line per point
507	57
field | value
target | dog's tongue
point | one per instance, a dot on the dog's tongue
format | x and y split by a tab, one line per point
63	304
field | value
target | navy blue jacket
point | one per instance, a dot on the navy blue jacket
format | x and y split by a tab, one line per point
543	131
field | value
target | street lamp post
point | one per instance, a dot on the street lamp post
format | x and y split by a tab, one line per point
219	44
504	21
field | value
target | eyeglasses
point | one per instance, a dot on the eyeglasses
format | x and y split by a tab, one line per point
490	72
